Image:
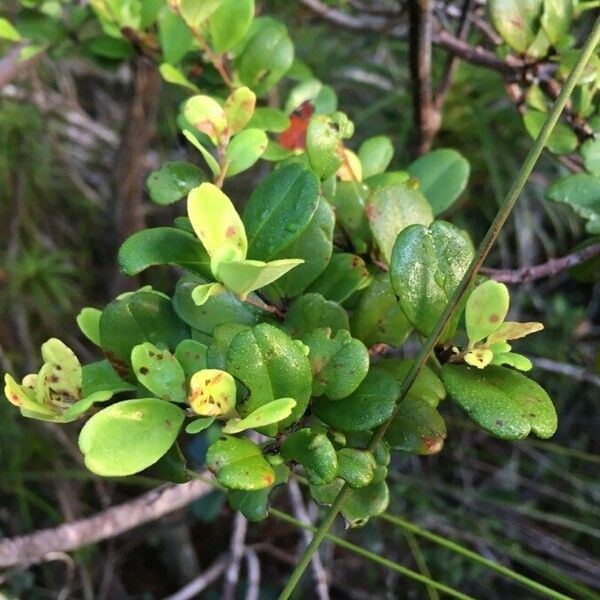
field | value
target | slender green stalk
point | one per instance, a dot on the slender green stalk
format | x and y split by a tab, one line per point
415	550
374	557
490	564
484	249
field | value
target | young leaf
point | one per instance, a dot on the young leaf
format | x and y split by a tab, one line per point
442	176
205	114
267	414
367	407
199	424
511	330
246	276
502	401
479	357
314	452
486	309
323	138
377	318
239	464
8	31
245	149
375	155
172	74
345	274
195	12
213	165
88	321
217	224
512	359
390	210
239	108
311	311
229	23
339	362
127	437
212	393
163	246
201	293
159	371
173	181
427	264
280	209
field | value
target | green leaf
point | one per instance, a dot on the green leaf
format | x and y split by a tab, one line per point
254	505
199	424
356	467
390	210
368	406
159	371
280	209
349	203
175	76
223	308
8	31
246	276
339	362
427	386
266	57
163	246
229	23
196	11
201	293
88	321
562	140
377	318
239	464
267	414
311	311
502	401
176	39
101	377
222	337
172	466
486	309
314	247
321	96
239	108
590	152
212	164
217	224
390	178
271	365
345	274
138	318
323	137
269	119
314	452
582	193
173	181
442	176
556	18
364	503
417	427
127	437
375	155
245	149
426	267
191	355
205	114
109	47
212	393
516	21
512	359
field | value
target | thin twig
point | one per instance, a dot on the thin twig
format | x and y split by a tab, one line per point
548	269
237	548
572	371
200	583
319	572
374	9
35	547
12	65
253	567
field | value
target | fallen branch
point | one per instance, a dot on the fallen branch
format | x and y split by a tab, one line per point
35	547
547	269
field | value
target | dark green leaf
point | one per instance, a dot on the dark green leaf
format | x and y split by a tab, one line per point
173	181
311	311
356	467
349	203
345	274
582	193
100	376
230	22
375	155
175	37
314	452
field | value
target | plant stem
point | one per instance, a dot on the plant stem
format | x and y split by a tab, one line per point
374	557
490	564
484	249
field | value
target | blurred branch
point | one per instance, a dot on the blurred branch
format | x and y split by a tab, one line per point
374	9
547	269
572	371
198	585
35	547
12	65
237	548
253	567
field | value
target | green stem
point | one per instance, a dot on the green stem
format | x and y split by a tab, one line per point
484	249
415	550
374	557
490	564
